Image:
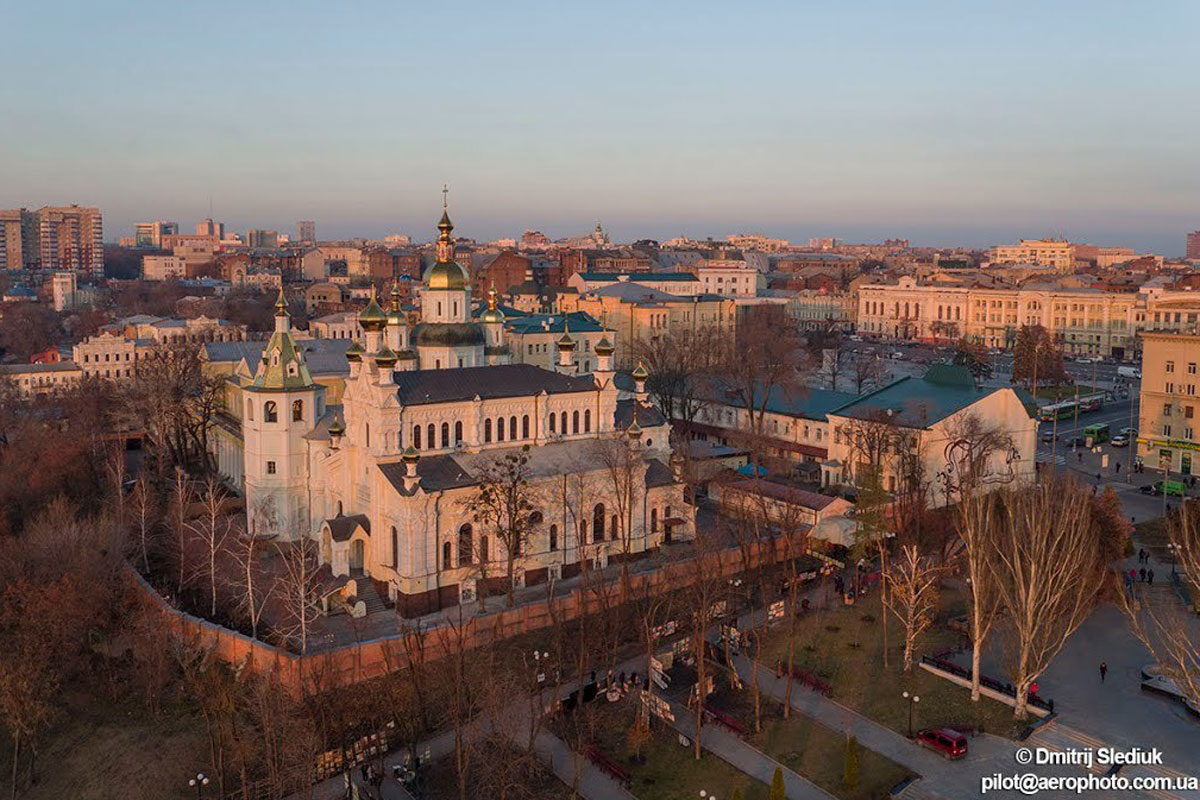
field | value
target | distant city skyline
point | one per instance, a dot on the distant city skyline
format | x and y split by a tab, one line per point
944	123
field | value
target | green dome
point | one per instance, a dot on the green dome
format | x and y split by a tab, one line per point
354	352
604	347
492	315
385	357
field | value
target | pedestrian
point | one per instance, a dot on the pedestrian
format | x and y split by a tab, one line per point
1118	467
1142	574
1080	454
1097	477
1150	577
1103	670
1141	555
1132	575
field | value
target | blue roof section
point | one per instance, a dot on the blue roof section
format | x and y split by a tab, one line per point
554	323
791	401
634	277
920	402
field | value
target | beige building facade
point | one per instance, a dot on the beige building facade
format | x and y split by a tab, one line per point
1169	409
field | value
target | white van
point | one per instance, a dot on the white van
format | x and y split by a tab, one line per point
1129	372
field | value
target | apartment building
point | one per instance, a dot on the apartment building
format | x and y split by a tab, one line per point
1168	418
18	239
1057	253
676	283
727	278
150	234
533	339
163	268
53	238
1083	320
42	379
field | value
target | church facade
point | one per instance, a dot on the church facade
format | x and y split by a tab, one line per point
384	481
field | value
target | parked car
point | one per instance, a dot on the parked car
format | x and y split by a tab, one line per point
944	741
1048	437
1130	433
1120	440
897	355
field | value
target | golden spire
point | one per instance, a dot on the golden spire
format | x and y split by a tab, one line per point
492	297
281	309
445	241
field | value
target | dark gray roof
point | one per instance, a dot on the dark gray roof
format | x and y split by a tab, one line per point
658	474
425	386
647	416
437	473
321	356
580	322
342	528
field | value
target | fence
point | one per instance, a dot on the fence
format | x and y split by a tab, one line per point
997	690
362	661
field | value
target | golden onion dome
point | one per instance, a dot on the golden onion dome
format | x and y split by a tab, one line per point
395	315
411	456
492	314
604	347
372	317
639	372
386	357
446	275
634	430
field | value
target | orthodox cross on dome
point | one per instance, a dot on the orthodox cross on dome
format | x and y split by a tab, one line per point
445	242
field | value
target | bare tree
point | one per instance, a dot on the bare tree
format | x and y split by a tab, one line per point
1163	624
1048	571
705	590
182	496
145	514
678	361
623	468
298	592
913	579
212	529
504	502
254	590
970	451
867	371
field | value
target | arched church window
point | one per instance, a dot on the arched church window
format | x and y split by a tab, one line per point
525	427
563	420
458	437
466	545
574	422
654	520
552	418
395	547
587	421
512	427
432	433
297	411
499	429
271	412
446	556
417	437
487	430
598	523
553	538
445	434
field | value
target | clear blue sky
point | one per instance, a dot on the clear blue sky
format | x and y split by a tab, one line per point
948	122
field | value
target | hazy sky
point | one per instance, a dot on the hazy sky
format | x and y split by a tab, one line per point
946	122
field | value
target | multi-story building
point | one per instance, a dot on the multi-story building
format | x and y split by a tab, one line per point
18	239
1084	321
533	339
306	231
1168	419
64	290
44	378
70	238
259	239
757	241
819	309
150	234
208	228
163	268
1057	253
1193	246
727	278
339	325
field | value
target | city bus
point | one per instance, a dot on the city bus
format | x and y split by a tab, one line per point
1067	408
1097	433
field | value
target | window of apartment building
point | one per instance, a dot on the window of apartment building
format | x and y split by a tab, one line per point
270	467
1191	368
1188	411
1166	409
1187	433
1191	388
1170	388
1166	430
1170	366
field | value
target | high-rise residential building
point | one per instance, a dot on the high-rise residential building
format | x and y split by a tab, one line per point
206	227
1193	246
71	238
64	288
150	234
18	239
262	239
306	231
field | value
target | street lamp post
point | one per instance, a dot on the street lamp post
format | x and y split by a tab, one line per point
200	781
1173	548
912	701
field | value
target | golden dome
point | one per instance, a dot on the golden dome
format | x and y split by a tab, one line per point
492	314
446	275
372	317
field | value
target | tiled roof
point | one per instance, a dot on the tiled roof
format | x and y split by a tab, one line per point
324	357
342	528
580	322
422	387
648	416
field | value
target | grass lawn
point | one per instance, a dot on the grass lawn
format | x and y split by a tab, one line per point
825	646
103	749
667	770
818	753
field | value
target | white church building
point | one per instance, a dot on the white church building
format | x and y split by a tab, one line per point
382	481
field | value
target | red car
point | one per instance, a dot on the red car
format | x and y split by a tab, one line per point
950	743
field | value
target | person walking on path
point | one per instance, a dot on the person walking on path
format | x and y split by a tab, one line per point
1103	670
1150	577
1142	574
1141	555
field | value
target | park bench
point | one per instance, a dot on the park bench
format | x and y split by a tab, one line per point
607	765
732	724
